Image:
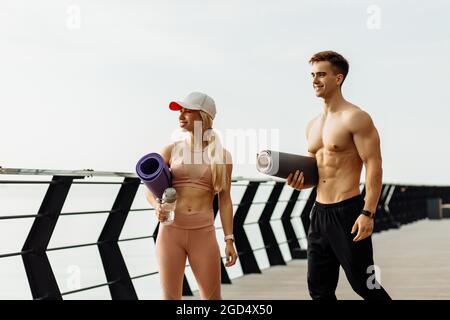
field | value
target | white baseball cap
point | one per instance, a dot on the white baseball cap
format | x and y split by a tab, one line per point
196	101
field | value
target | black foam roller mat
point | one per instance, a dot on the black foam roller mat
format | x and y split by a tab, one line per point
281	164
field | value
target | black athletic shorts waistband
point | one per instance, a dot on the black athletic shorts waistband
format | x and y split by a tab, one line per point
352	200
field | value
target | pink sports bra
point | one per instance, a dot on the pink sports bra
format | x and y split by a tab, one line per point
189	168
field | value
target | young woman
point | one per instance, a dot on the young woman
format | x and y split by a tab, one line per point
200	168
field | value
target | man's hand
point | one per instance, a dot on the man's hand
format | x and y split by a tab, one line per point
296	180
364	225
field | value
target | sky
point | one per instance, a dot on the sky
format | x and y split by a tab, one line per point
86	83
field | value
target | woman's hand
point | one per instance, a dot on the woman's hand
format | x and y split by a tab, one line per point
230	254
160	214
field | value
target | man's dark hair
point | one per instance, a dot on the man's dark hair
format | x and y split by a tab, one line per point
338	63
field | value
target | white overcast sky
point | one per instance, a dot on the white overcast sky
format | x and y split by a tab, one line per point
85	84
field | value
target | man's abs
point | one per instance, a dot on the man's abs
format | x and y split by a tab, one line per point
339	175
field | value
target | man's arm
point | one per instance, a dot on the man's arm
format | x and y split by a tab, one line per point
367	142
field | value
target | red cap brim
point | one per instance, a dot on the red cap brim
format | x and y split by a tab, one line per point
174	106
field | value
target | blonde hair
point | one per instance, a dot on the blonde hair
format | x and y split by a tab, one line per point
217	155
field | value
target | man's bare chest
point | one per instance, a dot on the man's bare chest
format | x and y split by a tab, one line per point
329	135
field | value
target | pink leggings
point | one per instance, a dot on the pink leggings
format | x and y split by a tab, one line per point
192	236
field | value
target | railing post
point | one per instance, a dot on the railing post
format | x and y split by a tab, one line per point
392	223
305	215
247	257
381	217
294	246
40	275
186	288
121	286
270	241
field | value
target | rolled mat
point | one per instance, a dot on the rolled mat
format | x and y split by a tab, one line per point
281	164
154	173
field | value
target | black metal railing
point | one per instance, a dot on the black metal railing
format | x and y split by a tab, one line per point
398	204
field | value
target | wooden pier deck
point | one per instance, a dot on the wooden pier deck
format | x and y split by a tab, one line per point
414	262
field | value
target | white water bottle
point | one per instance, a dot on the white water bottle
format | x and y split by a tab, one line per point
168	205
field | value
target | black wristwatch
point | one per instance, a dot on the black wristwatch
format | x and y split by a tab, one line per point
368	213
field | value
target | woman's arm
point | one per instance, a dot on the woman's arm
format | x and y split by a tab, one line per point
226	211
226	215
166	154
150	198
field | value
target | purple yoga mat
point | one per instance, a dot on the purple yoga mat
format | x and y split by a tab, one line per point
154	173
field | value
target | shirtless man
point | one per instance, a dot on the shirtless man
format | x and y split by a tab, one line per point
342	138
